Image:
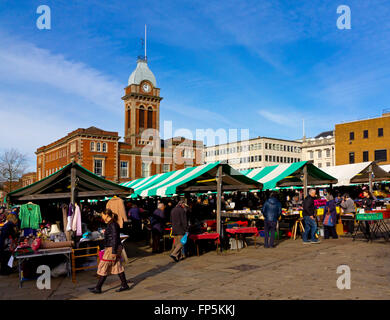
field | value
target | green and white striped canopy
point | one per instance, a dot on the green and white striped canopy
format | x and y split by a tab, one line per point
196	179
287	175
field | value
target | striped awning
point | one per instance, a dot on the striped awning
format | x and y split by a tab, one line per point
288	175
194	179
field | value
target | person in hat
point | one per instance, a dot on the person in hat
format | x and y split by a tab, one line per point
111	262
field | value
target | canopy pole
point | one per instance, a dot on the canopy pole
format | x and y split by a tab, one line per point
370	177
219	195
72	194
305	181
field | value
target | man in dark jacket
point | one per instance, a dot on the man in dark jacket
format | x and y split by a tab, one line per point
157	221
179	228
272	210
309	218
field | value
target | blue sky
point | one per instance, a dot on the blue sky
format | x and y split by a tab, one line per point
257	65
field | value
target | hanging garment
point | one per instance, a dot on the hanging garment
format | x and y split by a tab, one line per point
70	218
76	223
117	206
30	216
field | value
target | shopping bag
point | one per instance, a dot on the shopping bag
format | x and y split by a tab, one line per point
184	239
339	228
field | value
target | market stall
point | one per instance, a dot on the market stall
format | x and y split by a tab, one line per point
50	210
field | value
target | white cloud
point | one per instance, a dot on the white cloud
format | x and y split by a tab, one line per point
24	63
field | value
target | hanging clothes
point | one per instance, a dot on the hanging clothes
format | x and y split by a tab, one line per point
76	223
69	218
30	216
117	206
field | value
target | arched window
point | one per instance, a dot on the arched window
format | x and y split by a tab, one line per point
92	146
98	146
141	117
150	117
104	147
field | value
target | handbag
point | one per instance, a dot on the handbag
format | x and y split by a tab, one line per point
184	239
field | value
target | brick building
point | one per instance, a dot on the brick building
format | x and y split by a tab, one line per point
28	178
141	154
363	140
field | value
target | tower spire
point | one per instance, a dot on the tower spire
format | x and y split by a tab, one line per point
145	43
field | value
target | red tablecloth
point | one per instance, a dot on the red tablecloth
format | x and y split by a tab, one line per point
385	213
243	230
212	236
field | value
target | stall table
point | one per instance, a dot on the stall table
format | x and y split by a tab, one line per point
204	236
44	252
242	231
375	220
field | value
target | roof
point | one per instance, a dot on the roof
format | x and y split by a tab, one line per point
193	179
356	173
142	72
325	134
57	186
386	167
287	175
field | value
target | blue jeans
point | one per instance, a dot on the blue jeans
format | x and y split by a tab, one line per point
269	226
310	229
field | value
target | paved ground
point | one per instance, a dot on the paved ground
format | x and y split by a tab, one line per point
290	271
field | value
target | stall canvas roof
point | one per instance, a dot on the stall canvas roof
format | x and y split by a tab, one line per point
386	167
194	179
57	186
356	173
287	175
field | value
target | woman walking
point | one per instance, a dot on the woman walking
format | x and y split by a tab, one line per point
330	218
111	262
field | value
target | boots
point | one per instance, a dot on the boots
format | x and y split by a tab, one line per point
98	288
124	285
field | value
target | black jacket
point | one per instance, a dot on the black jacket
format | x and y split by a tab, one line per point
308	206
179	221
272	209
112	237
367	204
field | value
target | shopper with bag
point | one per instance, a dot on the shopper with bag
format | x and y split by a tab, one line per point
111	260
330	218
348	206
179	228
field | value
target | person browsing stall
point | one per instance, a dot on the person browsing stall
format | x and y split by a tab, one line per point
272	210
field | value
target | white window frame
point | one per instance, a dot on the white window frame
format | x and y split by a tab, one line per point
121	168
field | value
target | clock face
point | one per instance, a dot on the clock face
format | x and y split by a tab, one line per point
146	87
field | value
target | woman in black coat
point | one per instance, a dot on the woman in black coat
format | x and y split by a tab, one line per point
111	261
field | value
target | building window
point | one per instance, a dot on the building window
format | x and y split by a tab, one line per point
141	117
380	132
352	136
124	169
319	154
165	168
150	117
365	156
328	164
327	153
73	147
98	146
319	165
98	167
365	134
381	155
92	146
352	157
104	146
145	169
311	153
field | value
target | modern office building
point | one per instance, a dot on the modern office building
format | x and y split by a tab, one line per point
255	153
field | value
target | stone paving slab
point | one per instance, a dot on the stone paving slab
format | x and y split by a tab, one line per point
289	271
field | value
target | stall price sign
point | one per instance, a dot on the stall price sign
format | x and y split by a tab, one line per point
369	216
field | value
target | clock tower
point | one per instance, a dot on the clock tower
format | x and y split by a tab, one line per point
142	105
